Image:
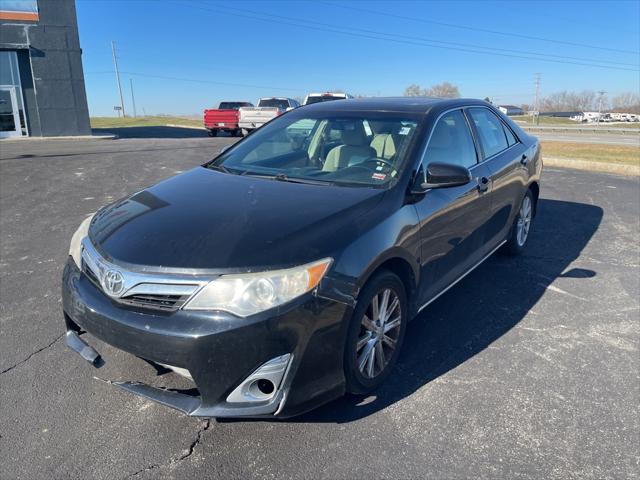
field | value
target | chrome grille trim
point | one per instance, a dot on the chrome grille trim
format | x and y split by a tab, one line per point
167	292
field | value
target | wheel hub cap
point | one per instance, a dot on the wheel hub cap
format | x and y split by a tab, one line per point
379	332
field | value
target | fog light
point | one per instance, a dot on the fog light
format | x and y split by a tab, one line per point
263	384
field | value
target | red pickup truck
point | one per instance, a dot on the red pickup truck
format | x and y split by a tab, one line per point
224	118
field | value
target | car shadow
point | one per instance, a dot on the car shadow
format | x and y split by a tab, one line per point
480	309
152	132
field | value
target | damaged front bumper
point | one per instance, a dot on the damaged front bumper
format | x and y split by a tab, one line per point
278	363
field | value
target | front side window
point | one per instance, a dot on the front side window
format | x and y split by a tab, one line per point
490	130
451	142
346	150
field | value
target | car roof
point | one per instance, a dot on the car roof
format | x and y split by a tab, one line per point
394	104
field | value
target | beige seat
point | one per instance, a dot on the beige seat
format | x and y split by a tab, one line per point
385	145
356	149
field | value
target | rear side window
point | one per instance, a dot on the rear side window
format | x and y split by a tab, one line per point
490	130
451	142
511	139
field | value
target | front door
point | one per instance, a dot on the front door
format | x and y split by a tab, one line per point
9	114
453	220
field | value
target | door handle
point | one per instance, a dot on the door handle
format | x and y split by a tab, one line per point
524	160
483	184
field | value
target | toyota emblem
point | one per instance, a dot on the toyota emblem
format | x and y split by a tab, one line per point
113	283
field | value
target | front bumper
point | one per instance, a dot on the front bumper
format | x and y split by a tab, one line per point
218	350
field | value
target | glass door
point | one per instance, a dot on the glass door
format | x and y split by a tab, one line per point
9	114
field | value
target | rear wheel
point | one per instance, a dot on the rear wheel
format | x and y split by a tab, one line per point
375	333
521	226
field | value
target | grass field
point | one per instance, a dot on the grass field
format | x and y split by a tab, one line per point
620	154
551	121
151	121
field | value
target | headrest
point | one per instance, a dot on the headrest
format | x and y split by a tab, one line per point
355	136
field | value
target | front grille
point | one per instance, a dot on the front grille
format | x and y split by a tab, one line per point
156	291
90	274
167	303
161	302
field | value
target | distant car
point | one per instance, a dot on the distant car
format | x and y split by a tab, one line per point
325	97
224	118
283	273
268	108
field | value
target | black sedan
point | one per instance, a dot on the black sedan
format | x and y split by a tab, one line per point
283	273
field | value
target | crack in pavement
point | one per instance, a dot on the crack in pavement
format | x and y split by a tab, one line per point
206	425
31	355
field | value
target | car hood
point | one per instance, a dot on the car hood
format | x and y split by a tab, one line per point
204	219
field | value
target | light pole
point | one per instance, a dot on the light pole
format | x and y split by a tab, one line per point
115	64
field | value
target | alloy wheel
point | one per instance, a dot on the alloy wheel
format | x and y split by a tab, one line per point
379	333
524	221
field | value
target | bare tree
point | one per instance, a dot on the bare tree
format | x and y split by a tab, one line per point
627	102
569	101
414	90
443	90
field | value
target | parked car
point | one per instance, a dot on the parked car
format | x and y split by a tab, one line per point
268	108
325	97
284	272
224	118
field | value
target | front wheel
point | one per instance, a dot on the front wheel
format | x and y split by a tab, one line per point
521	226
375	333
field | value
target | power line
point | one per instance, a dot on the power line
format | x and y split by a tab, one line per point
478	29
213	82
376	36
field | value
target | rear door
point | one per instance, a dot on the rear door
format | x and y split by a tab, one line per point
505	157
452	220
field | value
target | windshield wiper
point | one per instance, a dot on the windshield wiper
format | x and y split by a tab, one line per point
219	168
281	177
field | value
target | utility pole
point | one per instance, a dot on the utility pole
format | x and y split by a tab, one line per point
115	64
536	104
601	93
133	99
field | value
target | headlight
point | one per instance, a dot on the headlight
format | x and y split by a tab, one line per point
76	241
247	294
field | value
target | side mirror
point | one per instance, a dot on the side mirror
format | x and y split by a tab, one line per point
443	175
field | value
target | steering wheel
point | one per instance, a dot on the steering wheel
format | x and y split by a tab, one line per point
377	161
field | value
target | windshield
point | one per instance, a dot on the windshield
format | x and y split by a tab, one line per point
350	150
232	105
322	98
281	103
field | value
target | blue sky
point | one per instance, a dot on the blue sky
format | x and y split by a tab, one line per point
243	50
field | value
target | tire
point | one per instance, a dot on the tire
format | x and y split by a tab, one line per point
521	226
213	133
364	372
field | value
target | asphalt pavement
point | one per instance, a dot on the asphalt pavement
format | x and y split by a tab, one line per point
631	140
528	368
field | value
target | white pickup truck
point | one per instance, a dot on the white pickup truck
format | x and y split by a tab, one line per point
268	108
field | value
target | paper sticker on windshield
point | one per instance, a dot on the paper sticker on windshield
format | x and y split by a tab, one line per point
404	131
378	176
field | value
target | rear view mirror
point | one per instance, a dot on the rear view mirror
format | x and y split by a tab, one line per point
442	175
